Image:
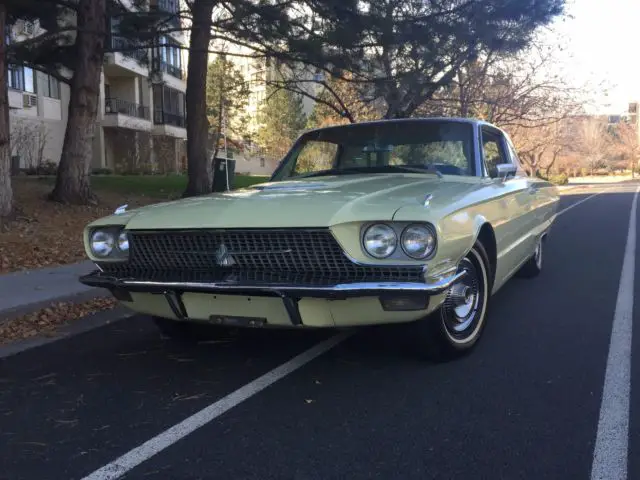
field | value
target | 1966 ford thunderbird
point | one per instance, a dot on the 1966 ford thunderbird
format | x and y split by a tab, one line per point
413	221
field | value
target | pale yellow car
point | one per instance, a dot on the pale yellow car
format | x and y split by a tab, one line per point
415	222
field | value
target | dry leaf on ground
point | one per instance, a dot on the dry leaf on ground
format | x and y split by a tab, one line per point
47	320
47	233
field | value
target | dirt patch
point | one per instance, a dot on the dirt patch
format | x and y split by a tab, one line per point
48	320
45	233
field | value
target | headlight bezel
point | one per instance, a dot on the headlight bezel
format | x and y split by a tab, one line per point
115	253
399	253
430	229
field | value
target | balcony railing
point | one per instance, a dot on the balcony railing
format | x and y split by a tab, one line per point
130	49
161	117
115	105
168	6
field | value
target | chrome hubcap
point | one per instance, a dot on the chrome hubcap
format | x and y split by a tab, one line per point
463	301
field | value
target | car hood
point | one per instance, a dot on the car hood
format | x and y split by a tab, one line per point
313	202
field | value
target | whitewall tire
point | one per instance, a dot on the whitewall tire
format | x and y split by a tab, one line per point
456	327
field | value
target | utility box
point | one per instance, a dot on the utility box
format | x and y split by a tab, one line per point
223	168
15	165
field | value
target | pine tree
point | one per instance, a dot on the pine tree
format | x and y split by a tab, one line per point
227	96
281	119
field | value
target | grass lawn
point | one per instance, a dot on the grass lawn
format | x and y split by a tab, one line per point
157	186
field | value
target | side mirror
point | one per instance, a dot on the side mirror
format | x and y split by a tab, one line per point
506	169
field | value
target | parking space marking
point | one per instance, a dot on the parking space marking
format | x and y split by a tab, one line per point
612	440
160	442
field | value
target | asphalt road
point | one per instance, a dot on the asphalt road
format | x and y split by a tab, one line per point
524	405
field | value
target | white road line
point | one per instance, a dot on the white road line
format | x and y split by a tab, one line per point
135	457
577	203
612	441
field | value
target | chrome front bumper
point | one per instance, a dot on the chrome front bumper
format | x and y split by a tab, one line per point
289	293
339	290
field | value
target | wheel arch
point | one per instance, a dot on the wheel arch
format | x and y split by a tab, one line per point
486	235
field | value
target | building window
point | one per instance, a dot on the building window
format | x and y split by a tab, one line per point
170	53
51	88
15	78
29	80
21	78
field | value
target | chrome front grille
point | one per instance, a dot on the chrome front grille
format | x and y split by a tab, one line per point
289	253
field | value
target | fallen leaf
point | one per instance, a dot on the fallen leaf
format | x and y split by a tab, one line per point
44	233
47	321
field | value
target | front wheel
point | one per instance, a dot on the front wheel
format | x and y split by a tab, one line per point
455	328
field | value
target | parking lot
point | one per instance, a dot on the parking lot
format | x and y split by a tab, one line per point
526	404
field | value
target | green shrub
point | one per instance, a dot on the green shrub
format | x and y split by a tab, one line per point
102	171
47	168
558	179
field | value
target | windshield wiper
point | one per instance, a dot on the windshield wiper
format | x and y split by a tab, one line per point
425	169
376	169
334	171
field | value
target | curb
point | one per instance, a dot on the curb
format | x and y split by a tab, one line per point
15	312
81	325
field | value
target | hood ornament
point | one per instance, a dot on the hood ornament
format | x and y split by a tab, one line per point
427	199
224	257
121	209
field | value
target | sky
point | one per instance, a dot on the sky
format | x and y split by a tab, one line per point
602	42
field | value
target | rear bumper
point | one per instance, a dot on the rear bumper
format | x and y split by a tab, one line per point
289	293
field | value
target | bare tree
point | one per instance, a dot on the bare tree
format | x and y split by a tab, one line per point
627	143
594	142
29	140
540	148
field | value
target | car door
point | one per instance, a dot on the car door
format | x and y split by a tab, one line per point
513	196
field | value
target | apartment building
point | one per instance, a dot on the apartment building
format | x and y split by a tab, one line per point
258	72
142	112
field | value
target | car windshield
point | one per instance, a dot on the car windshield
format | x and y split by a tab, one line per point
417	147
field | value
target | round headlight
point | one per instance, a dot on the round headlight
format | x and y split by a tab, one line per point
380	240
418	241
102	243
123	242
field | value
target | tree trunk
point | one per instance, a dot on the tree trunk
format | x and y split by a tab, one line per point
73	180
6	193
198	166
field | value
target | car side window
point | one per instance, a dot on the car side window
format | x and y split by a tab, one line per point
493	152
314	157
515	159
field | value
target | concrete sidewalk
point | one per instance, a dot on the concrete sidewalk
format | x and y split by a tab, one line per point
23	292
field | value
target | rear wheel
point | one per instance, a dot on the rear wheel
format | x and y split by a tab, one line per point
186	331
533	267
456	327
